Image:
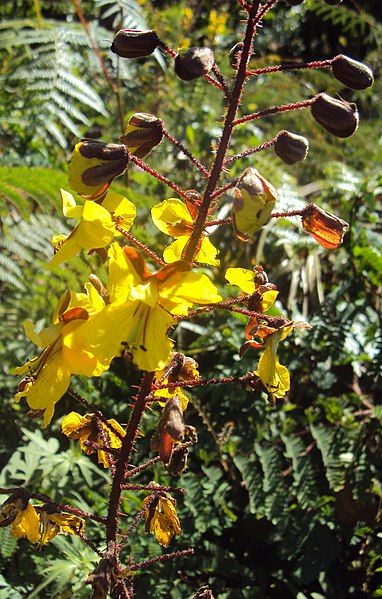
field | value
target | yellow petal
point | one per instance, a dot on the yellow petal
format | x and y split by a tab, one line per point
28	525
268	298
172	217
186	289
164	522
122	275
73	424
242	278
168	393
48	387
69	206
120	207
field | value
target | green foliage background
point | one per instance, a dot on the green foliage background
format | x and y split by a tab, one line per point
280	501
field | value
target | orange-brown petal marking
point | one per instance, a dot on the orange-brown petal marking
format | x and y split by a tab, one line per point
76	313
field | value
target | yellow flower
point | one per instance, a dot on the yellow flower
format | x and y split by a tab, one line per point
47	376
274	376
53	523
161	518
94	165
263	295
96	227
89	428
174	218
141	310
22	517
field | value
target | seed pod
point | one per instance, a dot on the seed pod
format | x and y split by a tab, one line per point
291	148
234	54
253	204
326	228
194	63
336	116
352	73
94	165
132	43
143	133
178	461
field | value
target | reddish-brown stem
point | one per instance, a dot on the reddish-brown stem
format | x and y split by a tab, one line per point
219	221
220	77
288	213
226	134
142	467
145	167
172	53
265	9
274	110
66	508
162	558
205	172
225	188
226	380
153	488
89	543
290	66
250	151
141	246
97	53
244	4
124	456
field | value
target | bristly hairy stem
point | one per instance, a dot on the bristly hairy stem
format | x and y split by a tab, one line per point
265	9
66	508
124	456
225	188
250	151
274	110
162	558
220	77
154	488
226	134
145	167
205	172
141	246
201	382
290	66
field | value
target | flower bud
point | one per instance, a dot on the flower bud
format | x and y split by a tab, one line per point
94	165
253	204
291	148
194	63
336	116
326	228
178	461
143	133
352	73
234	54
132	43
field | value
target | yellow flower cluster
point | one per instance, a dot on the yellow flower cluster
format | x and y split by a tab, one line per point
39	524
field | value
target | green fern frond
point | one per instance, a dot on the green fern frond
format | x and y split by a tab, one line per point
304	480
23	187
333	443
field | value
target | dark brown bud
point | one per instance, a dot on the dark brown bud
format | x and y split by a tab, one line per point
291	148
352	73
194	63
132	43
172	420
324	227
234	54
143	133
336	116
178	461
